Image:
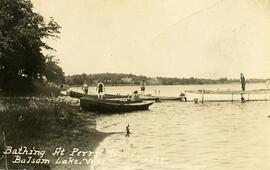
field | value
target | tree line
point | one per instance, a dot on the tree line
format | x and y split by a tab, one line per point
108	78
115	79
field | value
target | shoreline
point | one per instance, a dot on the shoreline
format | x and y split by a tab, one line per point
109	85
80	134
169	85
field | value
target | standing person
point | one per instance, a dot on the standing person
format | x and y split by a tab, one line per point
243	85
243	82
142	87
85	87
100	89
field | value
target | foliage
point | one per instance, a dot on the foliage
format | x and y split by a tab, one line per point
22	34
47	89
33	122
31	118
53	71
108	78
131	79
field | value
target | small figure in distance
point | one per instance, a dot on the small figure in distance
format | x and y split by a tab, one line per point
129	97
183	97
142	87
85	87
243	81
243	86
196	100
128	132
243	99
100	89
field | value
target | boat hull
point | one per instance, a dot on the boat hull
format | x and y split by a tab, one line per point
100	105
106	96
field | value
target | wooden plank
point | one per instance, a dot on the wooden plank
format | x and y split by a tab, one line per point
229	100
258	91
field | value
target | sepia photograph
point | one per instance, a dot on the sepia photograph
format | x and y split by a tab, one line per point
134	85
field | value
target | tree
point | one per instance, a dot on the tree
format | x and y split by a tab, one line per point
22	35
53	72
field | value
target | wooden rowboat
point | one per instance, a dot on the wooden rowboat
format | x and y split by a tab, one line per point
106	96
112	106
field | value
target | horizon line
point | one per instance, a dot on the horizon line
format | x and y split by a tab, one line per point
229	78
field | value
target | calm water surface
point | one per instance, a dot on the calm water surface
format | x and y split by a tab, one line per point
175	90
187	136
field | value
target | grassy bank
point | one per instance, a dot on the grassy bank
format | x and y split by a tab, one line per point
46	124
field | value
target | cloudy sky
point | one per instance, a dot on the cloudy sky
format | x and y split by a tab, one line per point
173	38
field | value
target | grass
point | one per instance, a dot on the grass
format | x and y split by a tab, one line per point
46	89
31	117
46	123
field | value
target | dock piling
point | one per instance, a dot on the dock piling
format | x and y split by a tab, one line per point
202	96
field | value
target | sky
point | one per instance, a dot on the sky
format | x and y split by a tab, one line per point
170	38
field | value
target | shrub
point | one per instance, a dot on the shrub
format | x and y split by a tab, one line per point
32	117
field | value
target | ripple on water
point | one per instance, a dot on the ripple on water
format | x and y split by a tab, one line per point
185	136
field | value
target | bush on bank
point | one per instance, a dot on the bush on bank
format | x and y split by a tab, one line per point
33	117
36	88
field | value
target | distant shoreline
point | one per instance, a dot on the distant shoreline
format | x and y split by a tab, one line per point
135	85
118	79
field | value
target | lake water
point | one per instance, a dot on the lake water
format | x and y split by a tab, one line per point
186	136
175	90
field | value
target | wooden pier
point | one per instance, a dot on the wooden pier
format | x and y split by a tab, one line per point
232	93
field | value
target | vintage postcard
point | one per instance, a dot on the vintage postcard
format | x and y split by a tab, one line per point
135	85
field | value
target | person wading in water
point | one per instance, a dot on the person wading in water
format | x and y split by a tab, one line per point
243	86
100	89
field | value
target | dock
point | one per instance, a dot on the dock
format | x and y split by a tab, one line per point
240	94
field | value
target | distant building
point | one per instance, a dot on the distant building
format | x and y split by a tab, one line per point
155	78
127	80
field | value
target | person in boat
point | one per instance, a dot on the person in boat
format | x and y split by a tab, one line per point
142	87
243	86
135	96
85	87
100	89
128	132
183	97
